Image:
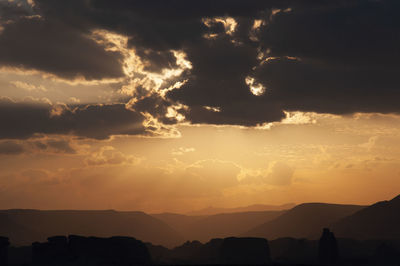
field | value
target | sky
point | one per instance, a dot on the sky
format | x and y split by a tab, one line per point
176	105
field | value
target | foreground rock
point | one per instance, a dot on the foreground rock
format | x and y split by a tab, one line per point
78	250
4	243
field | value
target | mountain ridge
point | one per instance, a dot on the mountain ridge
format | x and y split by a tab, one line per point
254	207
377	221
103	223
306	220
204	228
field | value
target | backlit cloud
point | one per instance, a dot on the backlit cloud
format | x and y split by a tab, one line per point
260	59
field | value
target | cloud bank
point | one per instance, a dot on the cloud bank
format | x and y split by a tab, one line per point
251	61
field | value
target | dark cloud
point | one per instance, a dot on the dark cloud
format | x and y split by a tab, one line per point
348	59
326	56
24	119
354	35
11	148
217	80
58	146
157	107
33	145
154	26
10	11
339	58
156	61
56	48
314	86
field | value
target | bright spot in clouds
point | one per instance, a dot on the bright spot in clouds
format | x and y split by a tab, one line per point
229	23
134	67
256	88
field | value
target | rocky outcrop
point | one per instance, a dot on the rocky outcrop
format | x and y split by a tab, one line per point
327	248
78	250
4	243
244	251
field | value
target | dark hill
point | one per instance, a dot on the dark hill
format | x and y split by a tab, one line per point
303	221
15	231
204	228
378	221
39	225
251	208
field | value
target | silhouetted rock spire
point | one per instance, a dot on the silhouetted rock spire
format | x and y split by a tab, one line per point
327	248
4	243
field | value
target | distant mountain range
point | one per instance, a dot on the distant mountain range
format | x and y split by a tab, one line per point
252	208
303	221
378	221
204	228
26	226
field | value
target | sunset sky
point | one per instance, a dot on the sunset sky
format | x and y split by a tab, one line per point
177	105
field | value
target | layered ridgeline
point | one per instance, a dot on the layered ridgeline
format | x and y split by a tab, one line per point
26	226
378	221
204	228
251	208
303	221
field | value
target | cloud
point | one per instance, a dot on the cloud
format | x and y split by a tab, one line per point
281	175
58	48
11	10
11	148
27	86
107	155
56	145
24	119
370	143
337	57
219	80
312	67
44	144
182	151
137	185
35	175
278	174
214	173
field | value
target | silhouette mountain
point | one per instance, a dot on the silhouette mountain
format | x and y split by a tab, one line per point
303	221
251	208
15	231
180	222
378	221
33	225
204	228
